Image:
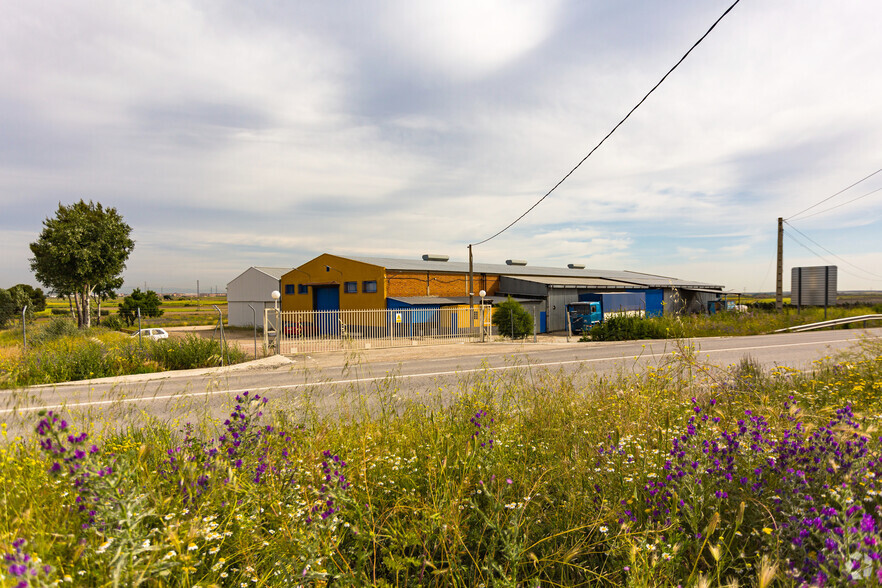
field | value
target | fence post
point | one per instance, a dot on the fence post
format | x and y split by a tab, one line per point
24	329
254	322
220	322
139	327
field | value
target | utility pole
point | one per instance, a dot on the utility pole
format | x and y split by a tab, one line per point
471	288
779	283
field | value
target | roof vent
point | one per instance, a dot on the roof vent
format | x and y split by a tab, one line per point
576	265
515	262
435	257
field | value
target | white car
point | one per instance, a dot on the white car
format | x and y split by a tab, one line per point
155	334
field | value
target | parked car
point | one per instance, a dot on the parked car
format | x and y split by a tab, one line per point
155	334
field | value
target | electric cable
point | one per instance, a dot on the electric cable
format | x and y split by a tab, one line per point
821	257
792	216
833	254
838	205
608	135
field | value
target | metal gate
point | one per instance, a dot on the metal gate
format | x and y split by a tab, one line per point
292	332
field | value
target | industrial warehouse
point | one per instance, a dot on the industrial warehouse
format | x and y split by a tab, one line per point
331	283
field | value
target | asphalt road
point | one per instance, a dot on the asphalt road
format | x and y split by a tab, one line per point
345	384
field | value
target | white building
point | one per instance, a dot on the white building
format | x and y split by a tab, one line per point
252	289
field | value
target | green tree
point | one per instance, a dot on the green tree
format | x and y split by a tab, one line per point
148	302
14	300
82	247
512	320
7	307
34	298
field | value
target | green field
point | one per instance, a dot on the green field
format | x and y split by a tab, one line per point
178	312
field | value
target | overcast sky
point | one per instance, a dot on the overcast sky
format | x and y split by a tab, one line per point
232	134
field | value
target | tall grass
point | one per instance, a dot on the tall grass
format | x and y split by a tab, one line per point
59	352
683	474
754	321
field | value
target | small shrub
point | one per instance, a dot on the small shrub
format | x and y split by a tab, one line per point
512	320
54	329
60	311
626	328
114	323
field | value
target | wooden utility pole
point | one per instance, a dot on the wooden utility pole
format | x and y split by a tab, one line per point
779	283
471	287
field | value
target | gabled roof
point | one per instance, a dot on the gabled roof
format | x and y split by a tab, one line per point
459	267
273	272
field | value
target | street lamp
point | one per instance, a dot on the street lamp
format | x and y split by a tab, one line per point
482	293
275	296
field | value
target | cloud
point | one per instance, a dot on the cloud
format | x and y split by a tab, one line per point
233	134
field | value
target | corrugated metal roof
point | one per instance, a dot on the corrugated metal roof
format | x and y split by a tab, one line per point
459	267
274	272
417	300
575	282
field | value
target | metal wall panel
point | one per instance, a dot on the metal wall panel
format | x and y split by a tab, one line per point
814	285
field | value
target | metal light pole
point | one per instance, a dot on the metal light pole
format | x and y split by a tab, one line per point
482	293
275	296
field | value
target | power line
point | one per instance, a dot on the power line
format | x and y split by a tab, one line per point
608	135
821	257
838	205
833	254
792	216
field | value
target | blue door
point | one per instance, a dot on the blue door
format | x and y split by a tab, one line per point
542	327
327	301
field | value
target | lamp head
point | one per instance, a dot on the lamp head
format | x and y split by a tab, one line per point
276	294
482	293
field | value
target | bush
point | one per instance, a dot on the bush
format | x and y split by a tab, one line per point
512	320
55	329
191	352
60	311
626	328
114	323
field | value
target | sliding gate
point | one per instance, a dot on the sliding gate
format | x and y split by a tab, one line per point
334	330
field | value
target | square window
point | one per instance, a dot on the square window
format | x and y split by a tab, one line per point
369	287
289	288
303	289
350	287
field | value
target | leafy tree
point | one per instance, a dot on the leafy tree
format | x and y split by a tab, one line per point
148	302
81	248
512	320
14	300
34	298
7	307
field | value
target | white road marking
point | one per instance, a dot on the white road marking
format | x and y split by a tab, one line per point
208	393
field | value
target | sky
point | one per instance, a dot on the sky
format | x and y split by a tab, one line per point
231	134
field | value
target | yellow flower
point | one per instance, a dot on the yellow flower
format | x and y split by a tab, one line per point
767	531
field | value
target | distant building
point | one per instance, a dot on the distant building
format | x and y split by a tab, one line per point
252	289
332	282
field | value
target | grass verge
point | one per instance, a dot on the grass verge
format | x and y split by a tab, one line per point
682	474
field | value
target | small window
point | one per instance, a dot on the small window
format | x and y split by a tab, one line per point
369	287
303	289
350	287
289	288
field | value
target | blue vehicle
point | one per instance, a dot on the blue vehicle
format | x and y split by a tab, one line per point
594	308
584	315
